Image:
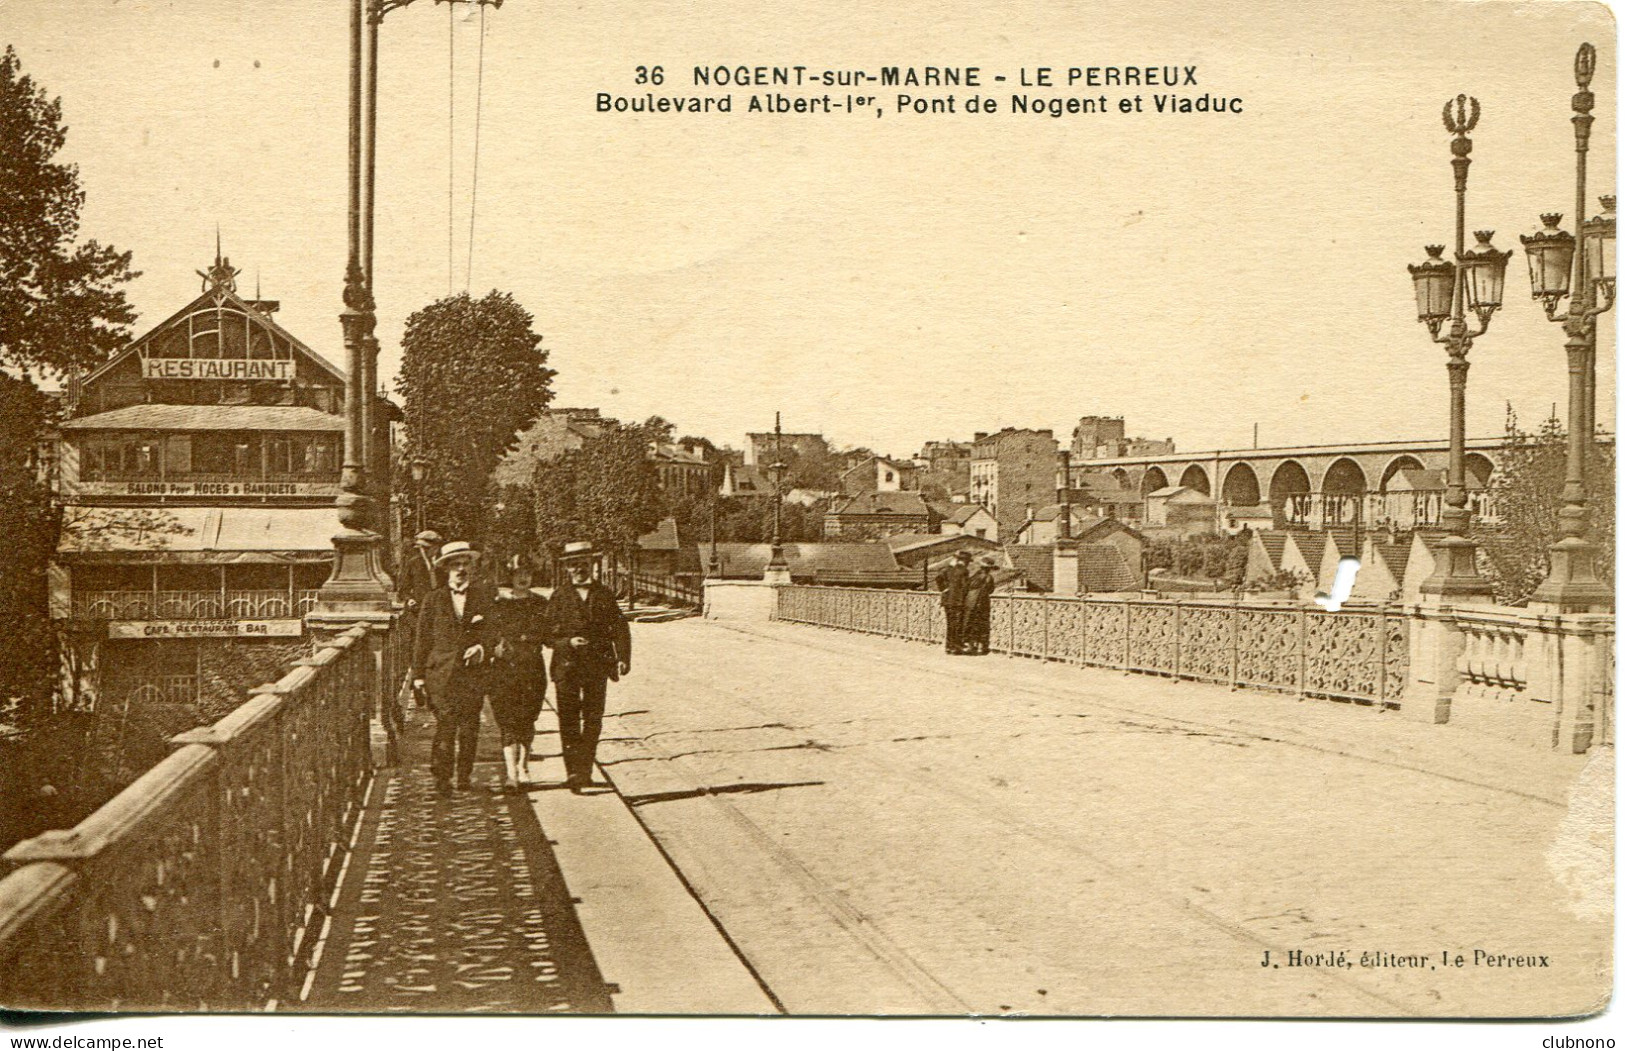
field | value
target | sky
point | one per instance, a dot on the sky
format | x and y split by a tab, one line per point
886	280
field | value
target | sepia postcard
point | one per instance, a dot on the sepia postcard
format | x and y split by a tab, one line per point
934	510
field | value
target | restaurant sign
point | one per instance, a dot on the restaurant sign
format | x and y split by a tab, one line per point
198	629
230	369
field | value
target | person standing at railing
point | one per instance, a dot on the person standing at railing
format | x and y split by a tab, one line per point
448	662
979	606
952	580
592	647
519	672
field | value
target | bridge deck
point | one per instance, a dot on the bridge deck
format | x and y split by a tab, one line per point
880	828
884	828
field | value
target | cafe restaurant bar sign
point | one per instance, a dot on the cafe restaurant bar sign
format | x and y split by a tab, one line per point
195	629
233	369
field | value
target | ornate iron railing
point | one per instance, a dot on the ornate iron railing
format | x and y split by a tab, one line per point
1355	654
258	604
201	886
674	589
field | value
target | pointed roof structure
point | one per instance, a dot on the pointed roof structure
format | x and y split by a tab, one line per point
219	294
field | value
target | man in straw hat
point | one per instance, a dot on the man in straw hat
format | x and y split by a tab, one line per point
592	646
448	662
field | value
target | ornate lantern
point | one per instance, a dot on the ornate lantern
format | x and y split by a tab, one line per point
1598	237
1485	269
1551	259
1435	279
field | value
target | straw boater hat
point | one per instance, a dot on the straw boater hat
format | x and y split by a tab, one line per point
578	549
428	536
456	551
989	561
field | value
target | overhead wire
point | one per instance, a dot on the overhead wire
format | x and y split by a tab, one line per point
474	179
451	144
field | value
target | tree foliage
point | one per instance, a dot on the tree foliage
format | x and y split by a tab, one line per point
473	375
1528	491
1210	557
61	307
607	491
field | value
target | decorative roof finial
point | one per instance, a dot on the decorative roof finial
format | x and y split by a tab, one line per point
222	276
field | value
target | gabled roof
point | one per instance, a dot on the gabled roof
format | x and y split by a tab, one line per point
223	296
209	418
1413	479
1173	491
1311	547
1274	544
1101	567
896	503
673	453
749	479
1394	556
1343	538
906	542
864	562
1036	562
662	538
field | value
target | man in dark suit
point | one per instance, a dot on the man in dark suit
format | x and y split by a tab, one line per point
953	580
448	661
417	579
592	646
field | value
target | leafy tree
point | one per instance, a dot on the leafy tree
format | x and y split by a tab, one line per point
61	307
607	491
1528	493
61	310
473	375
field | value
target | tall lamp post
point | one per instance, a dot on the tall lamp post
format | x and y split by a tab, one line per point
1445	291
358	582
778	568
1586	278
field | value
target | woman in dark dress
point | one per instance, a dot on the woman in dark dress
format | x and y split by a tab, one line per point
519	672
979	606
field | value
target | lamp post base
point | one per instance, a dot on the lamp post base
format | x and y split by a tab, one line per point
1456	578
1572	585
359	583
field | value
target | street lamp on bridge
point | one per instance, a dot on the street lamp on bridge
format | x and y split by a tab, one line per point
359	583
1583	274
1446	290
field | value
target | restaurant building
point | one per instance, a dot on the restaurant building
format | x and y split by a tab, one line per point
197	470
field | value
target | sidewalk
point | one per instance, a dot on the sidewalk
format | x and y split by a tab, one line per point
529	904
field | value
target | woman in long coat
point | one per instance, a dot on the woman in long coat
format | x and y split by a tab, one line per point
518	681
979	606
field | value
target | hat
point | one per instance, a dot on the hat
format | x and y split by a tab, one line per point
428	536
456	551
577	549
989	561
962	556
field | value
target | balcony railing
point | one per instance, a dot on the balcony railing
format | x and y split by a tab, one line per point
201	886
193	605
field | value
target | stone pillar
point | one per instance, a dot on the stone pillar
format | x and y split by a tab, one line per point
1436	648
1580	671
745	600
1066	568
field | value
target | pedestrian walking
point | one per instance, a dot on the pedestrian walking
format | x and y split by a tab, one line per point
592	647
979	605
448	659
951	581
418	579
518	672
